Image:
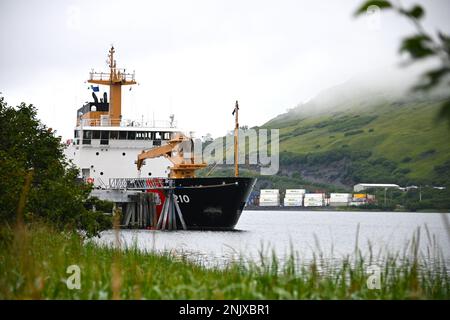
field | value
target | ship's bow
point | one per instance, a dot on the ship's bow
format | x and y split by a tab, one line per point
212	203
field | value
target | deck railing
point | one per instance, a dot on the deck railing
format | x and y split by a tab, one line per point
138	183
127	123
120	74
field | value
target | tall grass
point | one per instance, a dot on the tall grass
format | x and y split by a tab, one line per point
33	266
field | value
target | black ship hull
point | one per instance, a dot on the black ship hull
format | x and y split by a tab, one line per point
212	203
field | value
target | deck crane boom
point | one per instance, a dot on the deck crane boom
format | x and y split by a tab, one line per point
183	167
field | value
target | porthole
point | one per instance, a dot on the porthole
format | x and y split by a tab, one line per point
96	153
149	173
101	173
123	153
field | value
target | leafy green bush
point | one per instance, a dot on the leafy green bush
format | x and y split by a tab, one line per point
443	173
27	147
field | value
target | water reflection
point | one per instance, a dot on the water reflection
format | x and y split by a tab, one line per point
331	235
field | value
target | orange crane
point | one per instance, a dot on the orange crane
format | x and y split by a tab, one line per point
174	151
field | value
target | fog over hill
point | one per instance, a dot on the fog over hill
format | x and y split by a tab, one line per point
367	90
370	128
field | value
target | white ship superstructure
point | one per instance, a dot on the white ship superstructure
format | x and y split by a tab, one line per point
106	146
103	152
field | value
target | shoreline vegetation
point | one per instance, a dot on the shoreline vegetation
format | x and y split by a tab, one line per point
34	260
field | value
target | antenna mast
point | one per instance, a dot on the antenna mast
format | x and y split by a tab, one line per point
115	80
236	140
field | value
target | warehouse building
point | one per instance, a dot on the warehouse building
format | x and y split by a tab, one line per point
364	186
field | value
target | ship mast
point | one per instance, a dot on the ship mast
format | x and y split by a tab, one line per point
236	141
115	80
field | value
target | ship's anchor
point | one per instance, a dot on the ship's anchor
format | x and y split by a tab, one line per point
168	217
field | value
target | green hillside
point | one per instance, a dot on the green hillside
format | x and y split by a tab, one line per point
368	137
351	134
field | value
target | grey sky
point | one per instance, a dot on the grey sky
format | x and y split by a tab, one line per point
193	58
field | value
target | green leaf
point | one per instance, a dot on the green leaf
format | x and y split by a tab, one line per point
382	4
418	46
416	12
443	37
445	40
432	78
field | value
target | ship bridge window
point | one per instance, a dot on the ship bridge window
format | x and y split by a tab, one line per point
114	135
104	134
76	134
87	134
122	135
165	135
104	137
140	135
157	135
143	135
131	135
95	134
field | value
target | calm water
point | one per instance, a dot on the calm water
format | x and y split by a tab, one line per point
332	233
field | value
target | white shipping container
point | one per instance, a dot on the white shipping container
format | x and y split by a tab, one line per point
293	198
291	203
340	197
295	191
271	197
269	200
269	191
269	203
314	196
313	203
314	200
